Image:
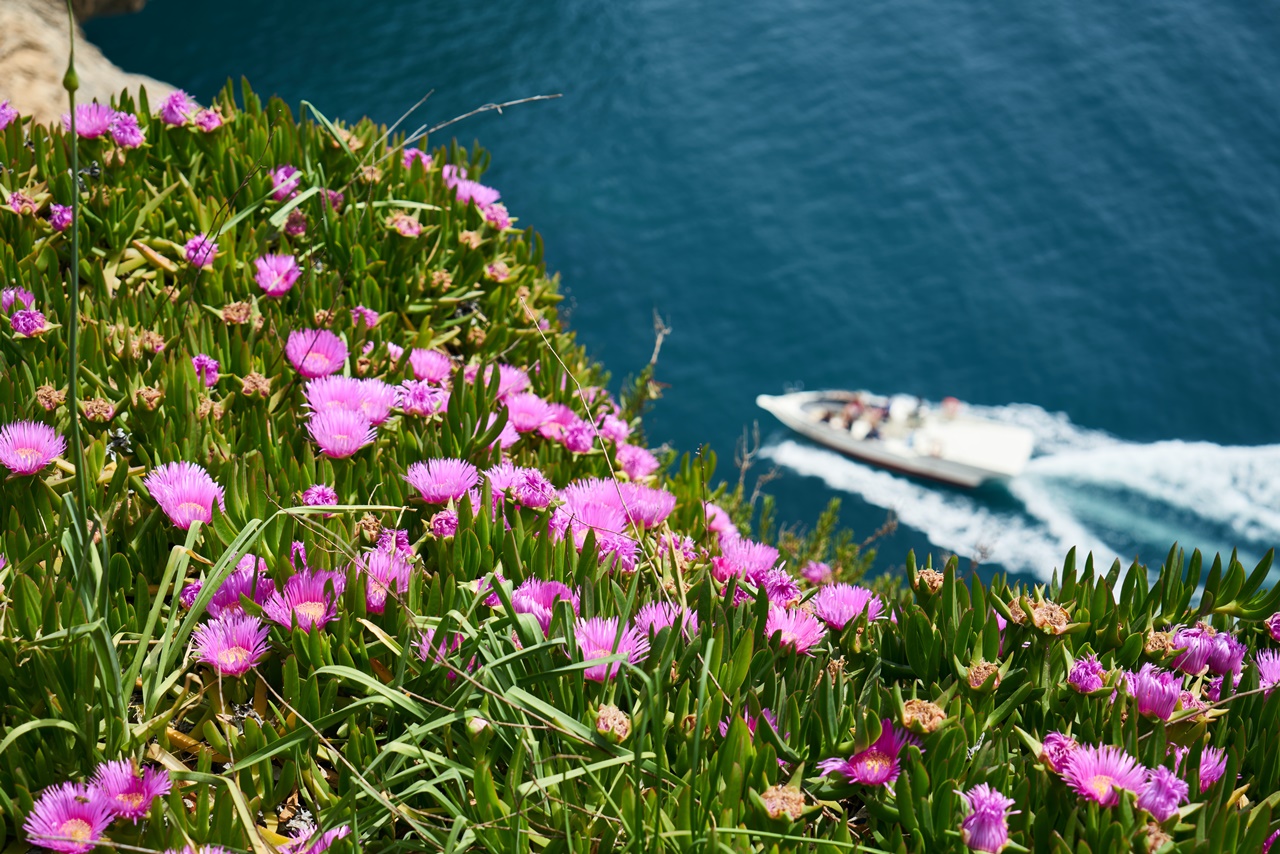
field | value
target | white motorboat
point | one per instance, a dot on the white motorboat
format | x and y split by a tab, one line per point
944	443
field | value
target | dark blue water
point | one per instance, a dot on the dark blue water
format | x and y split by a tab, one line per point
1074	208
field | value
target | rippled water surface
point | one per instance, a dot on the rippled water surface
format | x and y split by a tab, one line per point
1066	213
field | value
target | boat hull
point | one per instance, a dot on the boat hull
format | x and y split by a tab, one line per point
790	410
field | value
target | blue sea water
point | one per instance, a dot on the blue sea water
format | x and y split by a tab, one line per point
1066	214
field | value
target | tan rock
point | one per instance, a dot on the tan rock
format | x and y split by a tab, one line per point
33	58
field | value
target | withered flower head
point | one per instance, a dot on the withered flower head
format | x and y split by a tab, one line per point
613	723
979	672
99	409
924	716
49	397
469	238
441	279
931	579
236	313
782	800
152	341
369	527
1158	643
323	316
370	174
1049	617
150	396
255	383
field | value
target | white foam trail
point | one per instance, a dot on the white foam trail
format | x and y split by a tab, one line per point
1233	489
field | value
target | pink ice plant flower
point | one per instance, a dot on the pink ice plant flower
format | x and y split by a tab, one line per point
27	322
597	637
276	273
21	204
200	251
284	182
386	571
429	648
319	495
444	523
177	109
1086	674
1056	751
719	523
60	217
340	433
412	155
452	174
986	827
315	352
539	598
497	216
839	604
125	131
474	191
314	841
1268	663
878	765
431	366
206	369
26	447
743	558
442	479
7	114
614	429
249	579
1162	793
209	120
372	398
1155	690
309	597
817	572
526	412
1099	773
185	492
637	462
1226	654
128	792
527	487
795	629
11	296
752	721
92	120
1213	764
69	818
656	616
645	506
422	399
233	644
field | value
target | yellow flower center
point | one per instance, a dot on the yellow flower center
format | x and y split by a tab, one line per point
876	761
316	362
313	611
191	508
1102	784
77	829
232	657
133	800
28	453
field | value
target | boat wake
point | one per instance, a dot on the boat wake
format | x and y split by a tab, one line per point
1082	488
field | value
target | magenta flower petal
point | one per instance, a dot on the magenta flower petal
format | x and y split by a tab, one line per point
232	644
1086	674
176	110
1163	792
370	397
315	352
538	598
986	827
68	818
442	480
879	764
839	604
92	120
26	447
795	628
309	598
596	638
185	492
1098	773
129	793
341	432
386	571
276	274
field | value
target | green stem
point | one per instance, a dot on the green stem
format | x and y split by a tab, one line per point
71	82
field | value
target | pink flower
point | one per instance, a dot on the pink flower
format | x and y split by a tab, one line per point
9	296
645	506
1162	793
404	225
176	110
367	315
431	366
284	182
1056	751
209	120
249	579
128	792
720	524
276	273
412	155
743	558
319	495
614	429
986	827
92	120
21	204
497	216
68	818
879	764
27	322
752	722
474	191
341	432
1097	773
387	571
125	131
442	480
201	251
636	462
295	225
1213	764
839	604
1268	664
420	398
816	572
429	648
206	369
1086	674
795	629
444	524
598	637
233	644
315	352
185	492
60	216
7	114
1156	690
370	397
309	598
452	174
526	412
314	842
656	616
539	598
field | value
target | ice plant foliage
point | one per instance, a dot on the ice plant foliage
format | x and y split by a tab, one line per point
354	346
